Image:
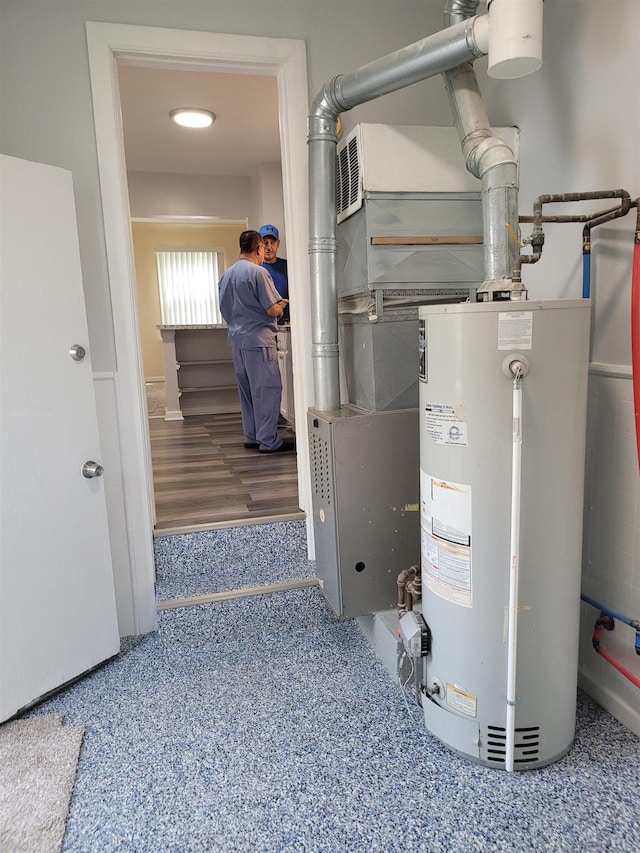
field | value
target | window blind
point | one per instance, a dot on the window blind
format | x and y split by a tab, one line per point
188	283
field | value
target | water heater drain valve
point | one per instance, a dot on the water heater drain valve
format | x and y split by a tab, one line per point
415	635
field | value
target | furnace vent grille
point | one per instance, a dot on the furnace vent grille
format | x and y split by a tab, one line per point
320	469
348	191
526	749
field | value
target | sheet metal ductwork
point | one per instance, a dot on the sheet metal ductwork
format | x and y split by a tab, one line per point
410	232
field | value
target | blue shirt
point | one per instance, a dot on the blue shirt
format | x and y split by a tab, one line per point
279	274
246	291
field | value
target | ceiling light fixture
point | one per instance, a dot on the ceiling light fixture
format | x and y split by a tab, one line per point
192	117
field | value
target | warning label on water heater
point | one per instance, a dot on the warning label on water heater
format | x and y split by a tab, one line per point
515	330
461	700
445	533
446	424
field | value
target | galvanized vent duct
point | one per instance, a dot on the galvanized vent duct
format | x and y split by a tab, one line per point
448	52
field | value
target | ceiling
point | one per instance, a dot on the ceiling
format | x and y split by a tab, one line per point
244	135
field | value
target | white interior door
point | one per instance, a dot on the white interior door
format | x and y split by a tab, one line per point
57	603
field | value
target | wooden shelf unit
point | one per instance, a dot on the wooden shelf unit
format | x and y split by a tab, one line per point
199	374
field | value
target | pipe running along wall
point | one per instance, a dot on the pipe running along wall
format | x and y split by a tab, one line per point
606	621
448	52
592	220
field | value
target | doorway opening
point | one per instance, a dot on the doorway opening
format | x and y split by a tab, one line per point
284	59
203	476
191	193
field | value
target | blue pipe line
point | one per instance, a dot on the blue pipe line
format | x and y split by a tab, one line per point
634	623
586	275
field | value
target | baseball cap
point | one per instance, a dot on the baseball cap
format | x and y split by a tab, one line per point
269	231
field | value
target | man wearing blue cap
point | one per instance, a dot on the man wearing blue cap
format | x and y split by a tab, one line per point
275	266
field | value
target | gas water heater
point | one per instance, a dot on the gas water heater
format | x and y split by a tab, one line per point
499	681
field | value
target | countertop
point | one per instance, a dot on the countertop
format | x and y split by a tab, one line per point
191	326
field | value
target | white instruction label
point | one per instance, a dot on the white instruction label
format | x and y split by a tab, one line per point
445	538
460	700
446	424
515	330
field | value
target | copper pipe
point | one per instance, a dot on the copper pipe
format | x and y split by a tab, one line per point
405	600
593	219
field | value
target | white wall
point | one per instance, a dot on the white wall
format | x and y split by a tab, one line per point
152	194
579	121
269	202
611	554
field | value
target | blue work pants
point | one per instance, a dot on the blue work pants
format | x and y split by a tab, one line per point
260	388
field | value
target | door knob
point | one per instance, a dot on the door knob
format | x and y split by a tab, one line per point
77	352
92	469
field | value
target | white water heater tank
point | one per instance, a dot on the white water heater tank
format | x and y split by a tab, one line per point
466	496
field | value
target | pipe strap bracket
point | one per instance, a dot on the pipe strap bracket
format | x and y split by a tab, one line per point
324	350
323	244
322	129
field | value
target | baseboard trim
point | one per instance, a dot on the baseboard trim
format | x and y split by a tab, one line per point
610	701
247	592
173	415
220	525
614	371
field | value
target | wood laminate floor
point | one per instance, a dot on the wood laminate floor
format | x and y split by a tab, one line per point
203	475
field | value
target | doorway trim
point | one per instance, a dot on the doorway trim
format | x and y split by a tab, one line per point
189	50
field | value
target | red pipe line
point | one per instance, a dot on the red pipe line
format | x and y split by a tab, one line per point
617	665
597	634
627	674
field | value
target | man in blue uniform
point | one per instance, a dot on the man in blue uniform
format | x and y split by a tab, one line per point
251	306
275	266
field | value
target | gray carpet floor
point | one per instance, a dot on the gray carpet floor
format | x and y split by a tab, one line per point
38	761
264	724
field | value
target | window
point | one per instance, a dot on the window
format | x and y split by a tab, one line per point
188	283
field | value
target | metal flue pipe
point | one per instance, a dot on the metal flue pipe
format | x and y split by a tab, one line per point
433	55
492	160
458	10
489	158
